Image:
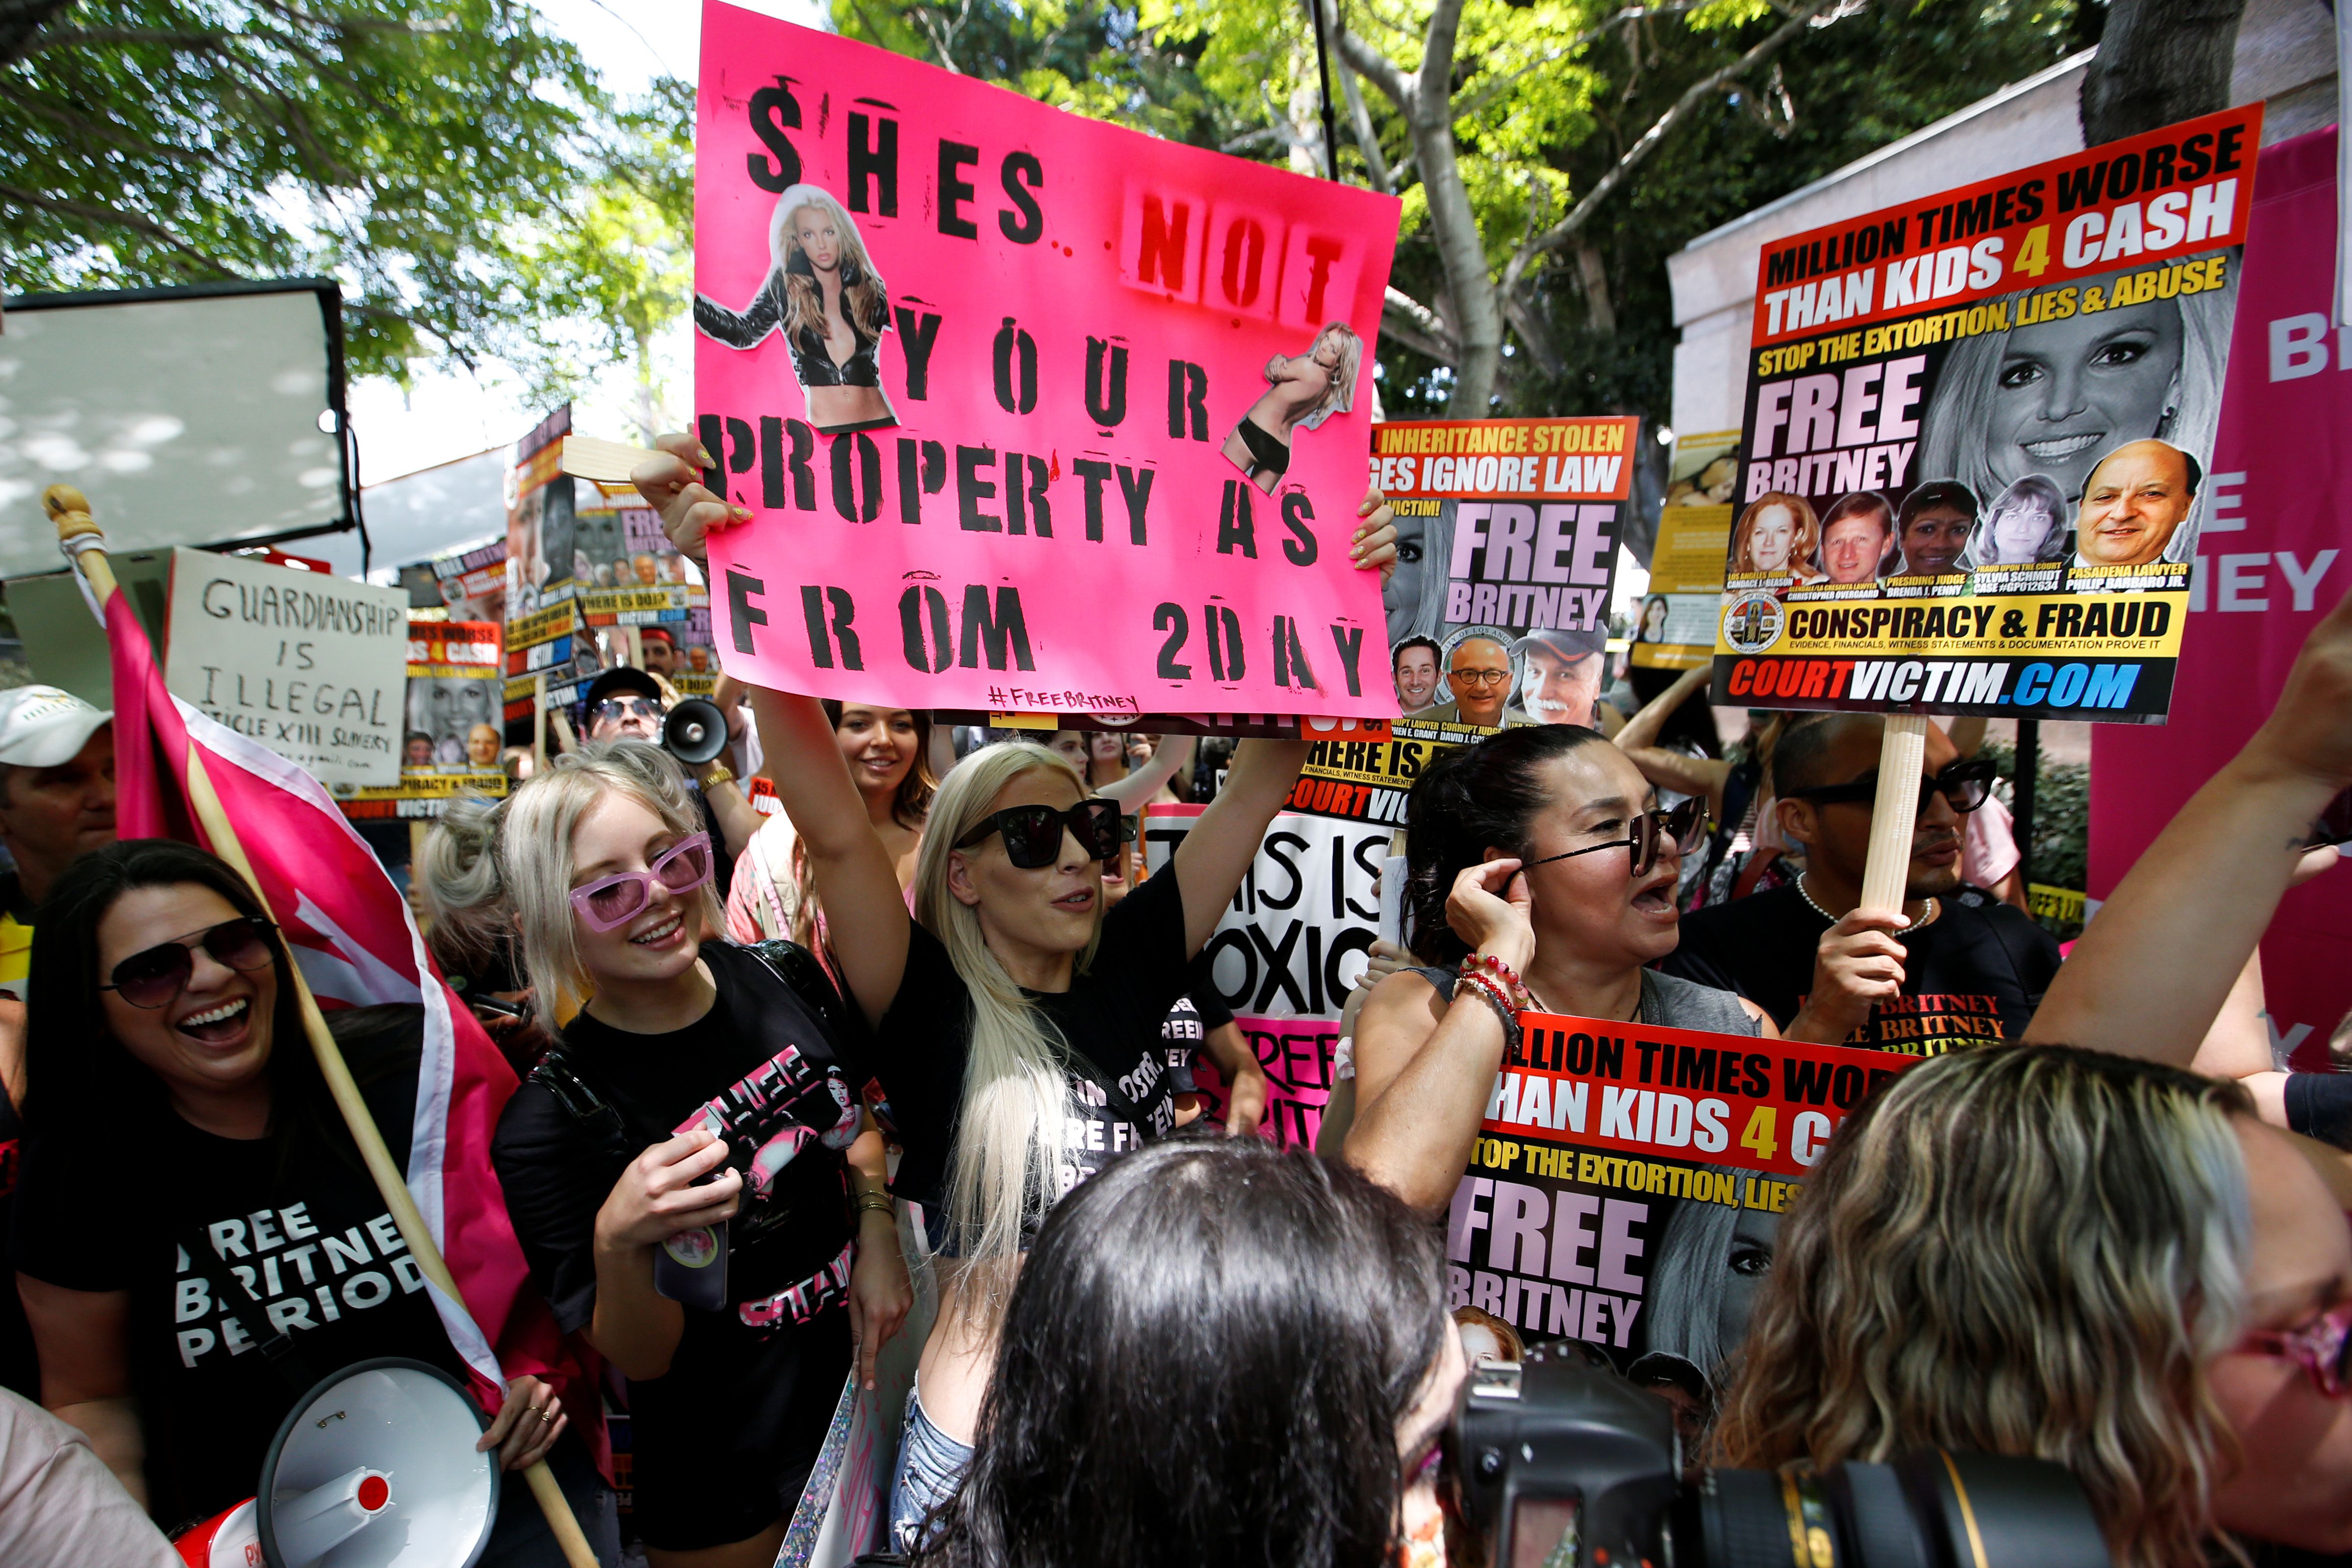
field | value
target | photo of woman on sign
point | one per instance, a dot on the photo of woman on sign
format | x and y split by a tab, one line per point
1779	535
823	295
2054	397
1303	390
2025	525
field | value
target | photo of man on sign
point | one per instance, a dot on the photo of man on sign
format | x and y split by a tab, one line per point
829	303
2134	504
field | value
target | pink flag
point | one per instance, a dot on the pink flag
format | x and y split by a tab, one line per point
350	931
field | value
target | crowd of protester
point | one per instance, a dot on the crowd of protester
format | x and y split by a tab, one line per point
914	1059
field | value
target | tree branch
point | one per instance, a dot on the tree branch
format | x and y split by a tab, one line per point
1373	66
1416	326
1561	233
1434	90
97	130
1368	140
108	216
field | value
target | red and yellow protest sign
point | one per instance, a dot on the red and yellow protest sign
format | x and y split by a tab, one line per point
1978	439
1628	1186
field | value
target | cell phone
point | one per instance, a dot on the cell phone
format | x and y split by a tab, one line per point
2334	824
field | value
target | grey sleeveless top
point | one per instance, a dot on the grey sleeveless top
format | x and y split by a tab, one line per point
1668	1001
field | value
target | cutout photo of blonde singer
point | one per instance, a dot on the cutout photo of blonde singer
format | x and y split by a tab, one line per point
823	294
1302	391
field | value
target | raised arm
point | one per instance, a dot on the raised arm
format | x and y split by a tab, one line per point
2153	969
1672	769
863	907
1216	854
1426	1069
1169	757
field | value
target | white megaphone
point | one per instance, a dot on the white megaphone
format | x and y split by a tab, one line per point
374	1469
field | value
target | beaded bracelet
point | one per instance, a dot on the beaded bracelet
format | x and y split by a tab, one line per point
1512	987
1488	991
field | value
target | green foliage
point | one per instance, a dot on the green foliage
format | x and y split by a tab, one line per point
1832	96
409	147
2060	854
619	266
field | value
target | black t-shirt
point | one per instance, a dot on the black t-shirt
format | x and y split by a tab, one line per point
1973	976
723	874
751	1386
1185	1031
1110	1015
312	1240
20	1368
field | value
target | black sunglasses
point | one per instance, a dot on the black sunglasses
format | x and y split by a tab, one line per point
1684	826
1965	785
1033	834
152	976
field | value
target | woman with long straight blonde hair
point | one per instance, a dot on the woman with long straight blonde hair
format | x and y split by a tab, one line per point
2066	1255
1016	1026
823	294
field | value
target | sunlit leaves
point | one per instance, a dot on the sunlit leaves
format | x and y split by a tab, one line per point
392	142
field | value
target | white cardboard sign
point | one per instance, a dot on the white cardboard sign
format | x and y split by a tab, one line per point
314	667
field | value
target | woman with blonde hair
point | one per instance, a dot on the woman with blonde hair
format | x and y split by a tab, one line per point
1779	535
2070	1256
823	294
2054	397
1302	391
693	1183
1016	1026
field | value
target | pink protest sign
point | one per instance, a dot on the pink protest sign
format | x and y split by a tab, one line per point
2275	556
1032	411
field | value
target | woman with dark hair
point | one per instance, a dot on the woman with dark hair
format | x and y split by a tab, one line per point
1221	1352
888	750
2025	525
225	1204
1541	875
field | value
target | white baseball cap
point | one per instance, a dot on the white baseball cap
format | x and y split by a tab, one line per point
41	726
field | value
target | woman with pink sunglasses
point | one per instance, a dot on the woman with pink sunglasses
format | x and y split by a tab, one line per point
689	1170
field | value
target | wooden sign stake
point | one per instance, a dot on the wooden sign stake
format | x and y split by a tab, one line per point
1894	815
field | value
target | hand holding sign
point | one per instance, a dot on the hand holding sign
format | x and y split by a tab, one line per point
1858	965
671	482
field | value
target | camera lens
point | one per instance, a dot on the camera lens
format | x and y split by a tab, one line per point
1570	1464
1930	1509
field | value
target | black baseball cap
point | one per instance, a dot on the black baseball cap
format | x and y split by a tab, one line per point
1948	494
1567	645
626	678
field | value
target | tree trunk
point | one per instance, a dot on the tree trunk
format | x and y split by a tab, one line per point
1478	305
2158	61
